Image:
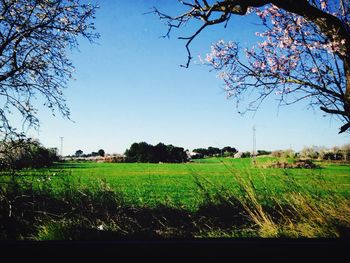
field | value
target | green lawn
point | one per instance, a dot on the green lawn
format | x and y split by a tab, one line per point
177	184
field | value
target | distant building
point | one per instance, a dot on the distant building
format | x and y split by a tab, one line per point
238	155
108	158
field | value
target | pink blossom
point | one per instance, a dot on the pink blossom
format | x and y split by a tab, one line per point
209	58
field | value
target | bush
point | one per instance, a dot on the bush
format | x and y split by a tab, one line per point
26	153
263	152
246	155
307	164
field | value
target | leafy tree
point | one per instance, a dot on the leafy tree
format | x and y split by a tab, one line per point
201	151
79	153
131	153
144	152
138	152
160	153
176	154
213	151
94	154
229	151
263	152
25	153
35	36
304	52
245	154
101	152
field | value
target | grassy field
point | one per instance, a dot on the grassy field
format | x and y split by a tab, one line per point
178	184
216	197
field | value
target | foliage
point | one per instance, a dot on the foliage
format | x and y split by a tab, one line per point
78	153
202	151
307	164
146	153
101	152
323	153
246	154
289	153
26	153
214	151
263	152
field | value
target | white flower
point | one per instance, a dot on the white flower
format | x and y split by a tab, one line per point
100	227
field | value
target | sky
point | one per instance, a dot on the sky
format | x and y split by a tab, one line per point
129	87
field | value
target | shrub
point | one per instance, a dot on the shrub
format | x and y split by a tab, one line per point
26	153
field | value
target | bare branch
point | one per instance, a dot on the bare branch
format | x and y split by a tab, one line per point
33	43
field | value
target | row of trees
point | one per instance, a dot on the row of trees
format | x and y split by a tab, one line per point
317	152
214	151
323	153
26	153
144	152
80	153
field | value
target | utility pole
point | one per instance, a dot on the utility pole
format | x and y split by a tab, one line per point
61	138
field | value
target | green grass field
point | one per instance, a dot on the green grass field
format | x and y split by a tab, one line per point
177	184
216	197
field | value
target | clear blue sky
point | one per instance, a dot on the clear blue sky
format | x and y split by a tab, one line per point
130	88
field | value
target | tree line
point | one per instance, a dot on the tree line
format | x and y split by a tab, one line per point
144	152
80	153
214	151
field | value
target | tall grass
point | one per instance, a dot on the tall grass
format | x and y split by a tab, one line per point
296	213
33	207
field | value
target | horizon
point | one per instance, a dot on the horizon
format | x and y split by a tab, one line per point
130	88
205	147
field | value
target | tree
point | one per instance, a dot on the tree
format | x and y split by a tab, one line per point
101	152
263	152
201	151
79	153
93	154
304	53
147	153
176	154
160	153
139	152
25	153
35	36
246	155
213	151
228	150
